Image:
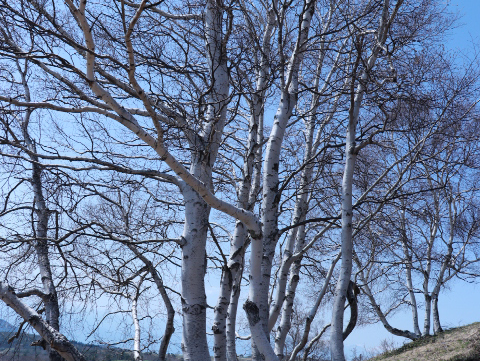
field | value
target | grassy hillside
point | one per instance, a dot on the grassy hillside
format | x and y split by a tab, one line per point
21	350
457	344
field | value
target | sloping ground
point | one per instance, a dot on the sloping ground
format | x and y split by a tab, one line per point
458	344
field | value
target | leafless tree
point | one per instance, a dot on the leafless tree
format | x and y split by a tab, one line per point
417	244
159	113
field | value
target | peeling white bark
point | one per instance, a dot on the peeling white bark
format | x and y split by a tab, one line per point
194	301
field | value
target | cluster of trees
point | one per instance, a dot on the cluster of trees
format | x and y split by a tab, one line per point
148	146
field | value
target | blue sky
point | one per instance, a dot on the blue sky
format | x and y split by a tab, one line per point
468	32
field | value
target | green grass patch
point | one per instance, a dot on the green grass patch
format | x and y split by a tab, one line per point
472	355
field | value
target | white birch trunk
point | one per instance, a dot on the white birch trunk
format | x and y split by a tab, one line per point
194	301
226	310
196	209
296	238
237	257
137	356
219	327
336	337
428	310
408	271
437	327
287	309
427	272
452	218
262	255
336	341
297	235
413	299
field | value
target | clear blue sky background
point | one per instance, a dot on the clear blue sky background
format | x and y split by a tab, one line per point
459	305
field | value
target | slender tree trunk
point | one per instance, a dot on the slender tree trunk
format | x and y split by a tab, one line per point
237	271
194	303
237	259
196	223
226	310
298	234
408	270
137	356
428	312
426	279
336	341
287	309
52	310
219	327
452	216
262	257
413	302
437	327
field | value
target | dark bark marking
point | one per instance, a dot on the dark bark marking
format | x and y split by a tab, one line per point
252	312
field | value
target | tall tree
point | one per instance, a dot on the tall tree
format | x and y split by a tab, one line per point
204	112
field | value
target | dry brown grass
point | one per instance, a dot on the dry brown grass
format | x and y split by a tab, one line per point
459	344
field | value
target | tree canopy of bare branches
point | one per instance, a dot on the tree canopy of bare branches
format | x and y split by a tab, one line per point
150	148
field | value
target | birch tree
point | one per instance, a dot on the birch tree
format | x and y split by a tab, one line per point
419	254
38	209
177	99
